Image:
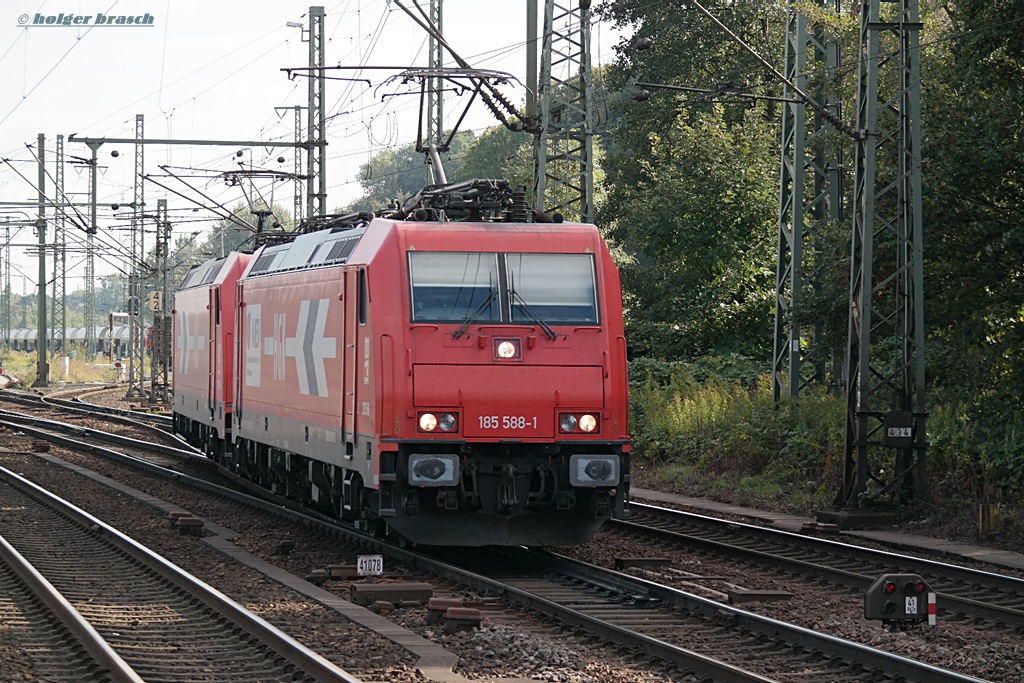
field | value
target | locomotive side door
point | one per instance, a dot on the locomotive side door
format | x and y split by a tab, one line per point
212	349
350	361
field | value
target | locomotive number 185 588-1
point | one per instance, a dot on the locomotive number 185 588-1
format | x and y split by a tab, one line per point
507	422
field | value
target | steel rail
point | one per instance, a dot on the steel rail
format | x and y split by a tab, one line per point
295	652
642	592
105	656
949	602
866	656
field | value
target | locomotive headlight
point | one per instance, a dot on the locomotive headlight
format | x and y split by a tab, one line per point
445	422
593	470
432	469
575	423
506	349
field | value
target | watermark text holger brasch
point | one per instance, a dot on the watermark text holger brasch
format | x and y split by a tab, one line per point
85	20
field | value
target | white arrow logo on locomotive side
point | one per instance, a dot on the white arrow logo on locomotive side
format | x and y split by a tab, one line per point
310	347
187	343
274	345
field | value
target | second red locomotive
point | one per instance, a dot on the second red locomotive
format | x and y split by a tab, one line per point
455	382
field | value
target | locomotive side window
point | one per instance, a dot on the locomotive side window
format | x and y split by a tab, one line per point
364	297
454	286
342	249
264	263
557	288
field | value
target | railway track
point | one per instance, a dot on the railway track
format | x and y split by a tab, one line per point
77	435
185	465
696	635
83	399
159	620
963	592
127	421
35	616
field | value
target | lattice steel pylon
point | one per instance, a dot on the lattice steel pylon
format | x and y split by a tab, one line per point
563	173
136	387
42	347
161	349
435	84
316	128
297	171
885	411
89	305
58	310
5	304
809	197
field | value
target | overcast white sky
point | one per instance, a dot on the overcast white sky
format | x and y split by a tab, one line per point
212	71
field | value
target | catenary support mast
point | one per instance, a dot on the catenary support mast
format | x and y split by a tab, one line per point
58	310
90	254
42	362
136	388
885	406
316	201
563	173
810	198
435	84
158	303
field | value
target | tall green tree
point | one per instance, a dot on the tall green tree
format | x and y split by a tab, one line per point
692	180
973	149
498	153
396	174
698	225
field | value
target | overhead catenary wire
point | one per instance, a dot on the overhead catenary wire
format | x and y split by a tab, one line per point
116	246
51	70
386	113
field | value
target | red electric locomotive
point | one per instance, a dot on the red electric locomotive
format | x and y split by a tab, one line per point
203	333
454	374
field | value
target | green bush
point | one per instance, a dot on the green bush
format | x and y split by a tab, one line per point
975	451
24	366
711	427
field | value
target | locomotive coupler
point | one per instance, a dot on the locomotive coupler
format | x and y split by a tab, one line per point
507	488
448	499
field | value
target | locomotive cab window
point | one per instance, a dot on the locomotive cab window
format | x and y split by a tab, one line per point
470	288
557	288
453	286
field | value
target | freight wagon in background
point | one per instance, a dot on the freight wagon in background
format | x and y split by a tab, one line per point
111	341
456	382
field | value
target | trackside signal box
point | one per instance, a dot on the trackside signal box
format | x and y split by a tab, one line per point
900	598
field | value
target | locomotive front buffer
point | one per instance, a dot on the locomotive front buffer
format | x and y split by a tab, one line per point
900	600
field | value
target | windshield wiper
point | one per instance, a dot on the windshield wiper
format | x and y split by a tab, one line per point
518	300
474	315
